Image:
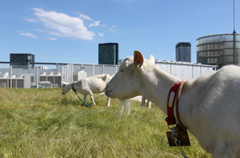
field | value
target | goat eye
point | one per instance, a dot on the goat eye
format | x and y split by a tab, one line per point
121	70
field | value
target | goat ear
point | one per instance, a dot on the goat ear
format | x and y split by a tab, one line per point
151	58
138	60
105	78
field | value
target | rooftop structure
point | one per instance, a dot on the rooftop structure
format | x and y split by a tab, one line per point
108	53
183	51
219	49
19	60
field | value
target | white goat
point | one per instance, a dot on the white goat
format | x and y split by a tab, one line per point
148	105
209	106
88	86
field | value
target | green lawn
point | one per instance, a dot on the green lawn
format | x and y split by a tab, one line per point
42	123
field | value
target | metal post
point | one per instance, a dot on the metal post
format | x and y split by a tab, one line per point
192	72
171	69
66	74
72	72
62	73
11	76
57	67
234	47
234	16
37	77
103	69
234	36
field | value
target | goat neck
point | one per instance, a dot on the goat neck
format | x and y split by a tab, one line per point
157	84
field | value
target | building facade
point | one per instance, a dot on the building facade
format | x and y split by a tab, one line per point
22	60
108	53
183	51
219	49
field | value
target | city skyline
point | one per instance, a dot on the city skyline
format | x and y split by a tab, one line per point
69	32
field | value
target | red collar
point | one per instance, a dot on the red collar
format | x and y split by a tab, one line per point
174	92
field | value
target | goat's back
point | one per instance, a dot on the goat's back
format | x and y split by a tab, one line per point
216	109
96	84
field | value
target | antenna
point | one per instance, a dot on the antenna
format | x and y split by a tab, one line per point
234	16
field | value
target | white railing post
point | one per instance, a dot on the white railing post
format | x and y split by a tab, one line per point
66	74
11	76
72	72
37	77
102	69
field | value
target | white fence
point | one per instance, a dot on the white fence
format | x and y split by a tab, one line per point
70	71
185	70
73	72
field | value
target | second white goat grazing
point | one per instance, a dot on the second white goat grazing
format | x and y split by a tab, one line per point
209	106
89	85
143	103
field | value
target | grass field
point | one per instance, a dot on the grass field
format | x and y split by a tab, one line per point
42	123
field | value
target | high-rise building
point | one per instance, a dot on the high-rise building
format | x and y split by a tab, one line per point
22	60
219	49
183	51
108	53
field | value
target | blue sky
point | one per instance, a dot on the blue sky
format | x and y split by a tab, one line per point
70	31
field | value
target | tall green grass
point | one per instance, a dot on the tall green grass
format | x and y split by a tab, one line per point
42	123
